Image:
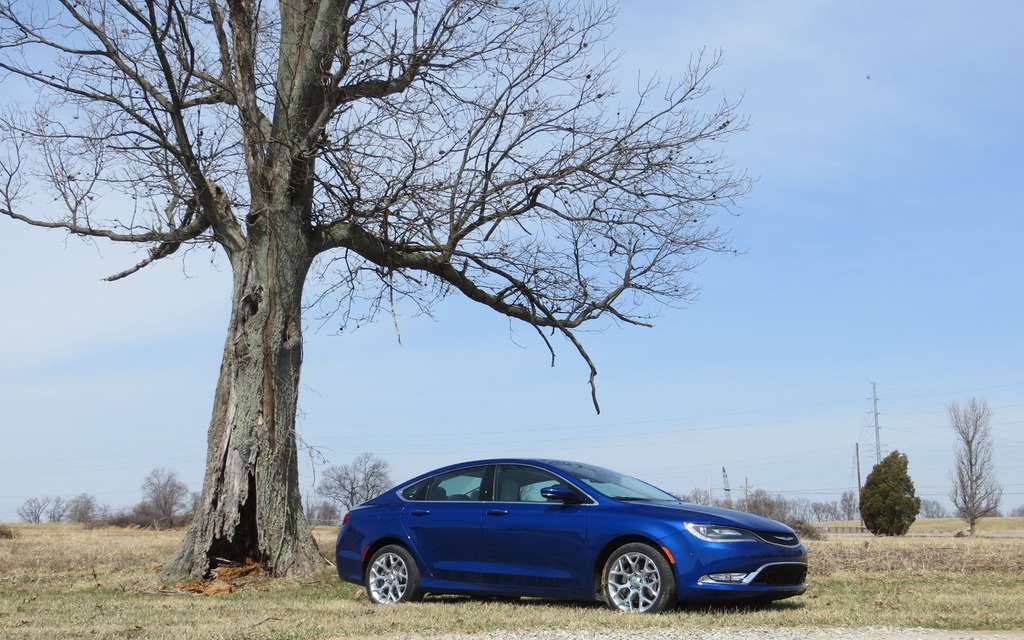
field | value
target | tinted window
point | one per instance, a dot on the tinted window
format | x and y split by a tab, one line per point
613	484
463	484
518	483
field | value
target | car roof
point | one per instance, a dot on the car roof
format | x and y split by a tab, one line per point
544	462
541	462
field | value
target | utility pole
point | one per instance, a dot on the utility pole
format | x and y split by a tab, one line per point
878	440
859	485
725	483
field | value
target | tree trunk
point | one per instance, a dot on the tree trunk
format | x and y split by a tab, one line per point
250	506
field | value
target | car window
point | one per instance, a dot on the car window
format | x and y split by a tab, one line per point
613	484
519	483
462	484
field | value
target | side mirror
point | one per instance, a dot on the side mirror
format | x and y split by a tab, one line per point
561	494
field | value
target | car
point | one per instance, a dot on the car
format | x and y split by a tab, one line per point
561	530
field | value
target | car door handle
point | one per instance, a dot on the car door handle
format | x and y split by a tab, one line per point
420	512
497	512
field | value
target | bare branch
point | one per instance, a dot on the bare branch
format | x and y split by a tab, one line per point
421	148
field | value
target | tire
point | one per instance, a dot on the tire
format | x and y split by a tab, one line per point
638	578
392	576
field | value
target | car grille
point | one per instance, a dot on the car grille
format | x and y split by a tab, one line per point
781	539
783	574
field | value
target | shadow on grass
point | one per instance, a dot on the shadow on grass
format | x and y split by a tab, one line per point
712	608
753	606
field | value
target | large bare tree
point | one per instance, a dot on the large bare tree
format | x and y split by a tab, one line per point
975	492
350	484
165	494
32	509
385	152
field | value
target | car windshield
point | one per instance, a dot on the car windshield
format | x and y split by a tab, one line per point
612	484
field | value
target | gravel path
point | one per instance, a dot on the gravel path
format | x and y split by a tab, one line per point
870	633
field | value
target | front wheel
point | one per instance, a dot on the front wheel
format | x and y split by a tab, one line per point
392	576
638	578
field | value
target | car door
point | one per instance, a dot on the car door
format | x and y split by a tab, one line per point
442	520
531	545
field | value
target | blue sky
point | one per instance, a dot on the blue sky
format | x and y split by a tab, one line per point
883	243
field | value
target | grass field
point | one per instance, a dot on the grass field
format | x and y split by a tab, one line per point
62	581
986	526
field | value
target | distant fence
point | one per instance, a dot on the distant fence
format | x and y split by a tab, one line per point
834	529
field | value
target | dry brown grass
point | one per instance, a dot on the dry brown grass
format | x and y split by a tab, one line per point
66	582
924	526
66	551
917	556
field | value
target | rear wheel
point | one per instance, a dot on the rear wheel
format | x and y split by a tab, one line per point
392	576
638	578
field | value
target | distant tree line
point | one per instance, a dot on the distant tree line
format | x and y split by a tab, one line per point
798	513
800	510
167	503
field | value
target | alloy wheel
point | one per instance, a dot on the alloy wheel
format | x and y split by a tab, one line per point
634	582
388	578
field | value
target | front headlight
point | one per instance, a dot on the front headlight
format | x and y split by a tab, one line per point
720	533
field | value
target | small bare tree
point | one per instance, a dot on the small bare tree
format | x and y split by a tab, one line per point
825	511
322	512
58	509
697	496
848	506
165	495
776	507
975	493
32	510
83	509
350	484
933	509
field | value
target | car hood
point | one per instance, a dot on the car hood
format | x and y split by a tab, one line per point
702	514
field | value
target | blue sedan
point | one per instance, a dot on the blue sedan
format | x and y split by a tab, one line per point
564	530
